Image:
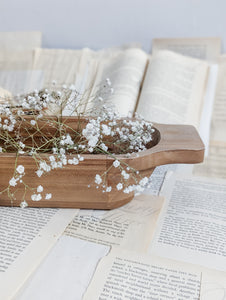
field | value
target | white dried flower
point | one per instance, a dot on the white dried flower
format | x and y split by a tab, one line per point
39	173
52	158
13	181
22	145
125	175
23	204
103	147
108	189
36	197
98	179
116	163
106	130
40	189
33	122
48	196
43	165
126	190
20	169
119	186
93	141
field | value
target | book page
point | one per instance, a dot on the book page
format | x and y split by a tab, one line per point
125	69
192	223
213	285
158	177
219	109
173	89
128	275
4	94
20	40
71	263
16	62
19	82
201	48
206	116
214	164
66	271
88	70
60	65
130	226
26	235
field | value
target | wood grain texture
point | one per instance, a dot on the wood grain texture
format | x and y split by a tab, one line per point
69	186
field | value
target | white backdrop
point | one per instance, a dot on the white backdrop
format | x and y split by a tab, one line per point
103	23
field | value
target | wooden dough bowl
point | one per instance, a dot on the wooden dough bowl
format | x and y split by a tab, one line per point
69	186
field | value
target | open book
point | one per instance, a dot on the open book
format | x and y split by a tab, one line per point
167	88
150	86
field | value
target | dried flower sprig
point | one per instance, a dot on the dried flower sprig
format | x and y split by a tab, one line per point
35	124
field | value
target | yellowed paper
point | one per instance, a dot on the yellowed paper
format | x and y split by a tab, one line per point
213	285
192	223
57	64
130	226
125	70
173	89
201	48
66	271
88	71
16	61
20	40
219	110
4	95
26	237
214	164
128	275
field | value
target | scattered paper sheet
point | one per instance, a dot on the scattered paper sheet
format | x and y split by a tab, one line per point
19	81
16	61
20	40
130	226
192	224
127	275
26	237
158	177
213	285
214	163
66	271
219	110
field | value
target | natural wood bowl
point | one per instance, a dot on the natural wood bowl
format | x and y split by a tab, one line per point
69	186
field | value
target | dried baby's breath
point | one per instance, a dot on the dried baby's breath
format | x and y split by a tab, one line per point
100	130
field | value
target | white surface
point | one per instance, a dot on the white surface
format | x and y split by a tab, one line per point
100	23
66	272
